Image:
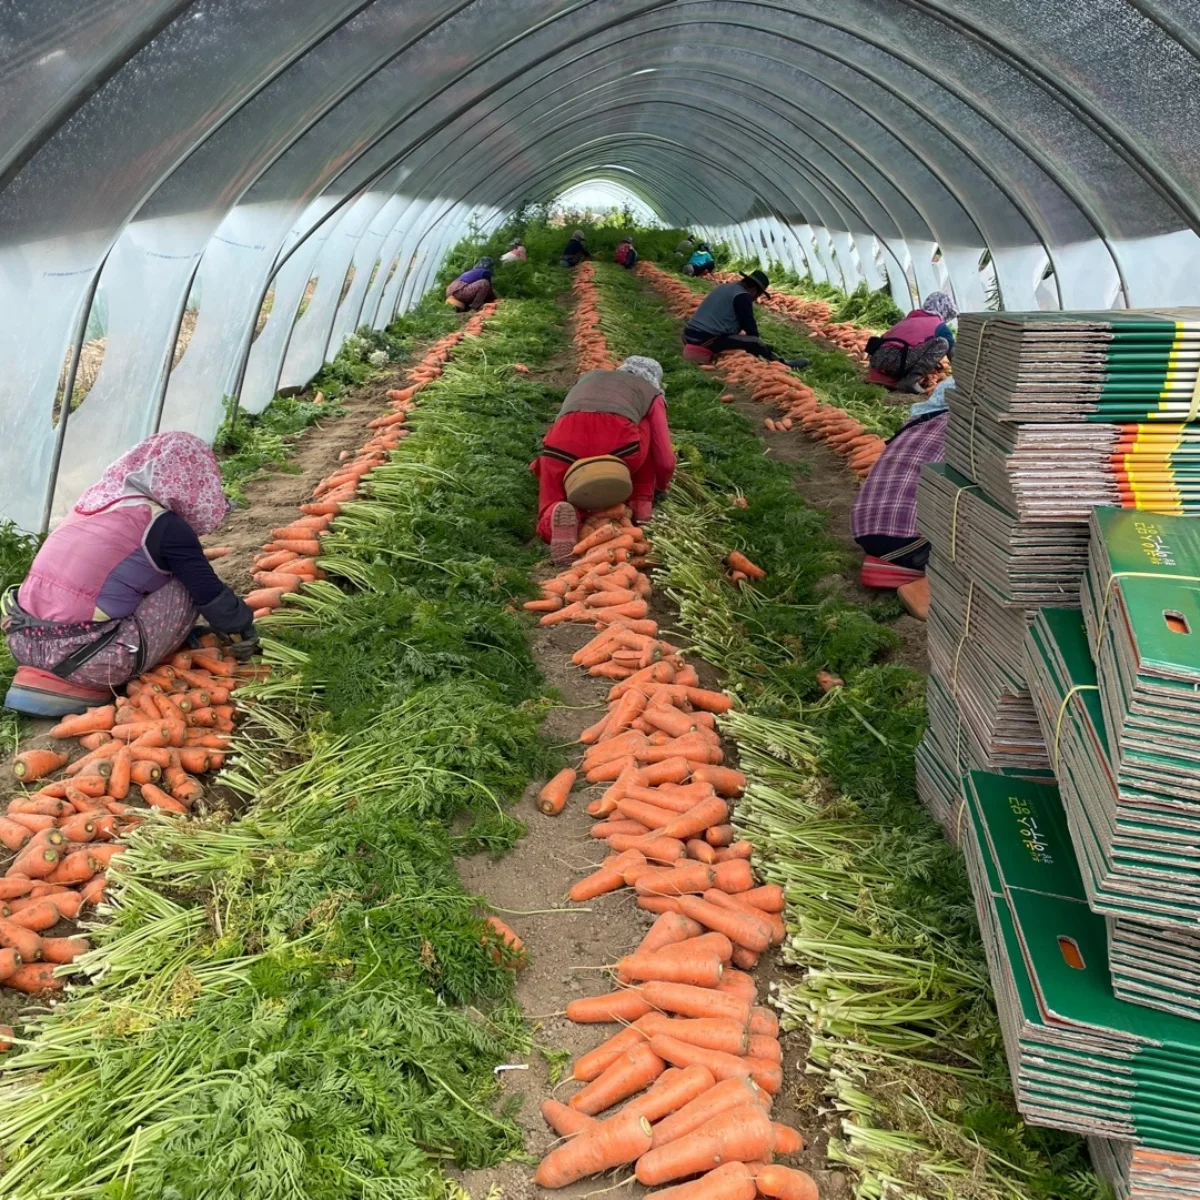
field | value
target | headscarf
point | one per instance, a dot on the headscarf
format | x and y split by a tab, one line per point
649	369
577	236
515	243
484	264
940	305
176	470
628	240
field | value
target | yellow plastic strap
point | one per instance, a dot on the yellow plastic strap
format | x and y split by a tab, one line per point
974	471
1062	712
1134	575
962	641
954	519
962	810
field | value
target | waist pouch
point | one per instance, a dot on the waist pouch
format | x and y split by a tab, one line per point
99	634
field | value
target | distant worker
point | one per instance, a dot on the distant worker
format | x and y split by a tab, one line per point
883	520
914	347
117	586
725	321
609	445
472	289
701	262
575	250
516	252
684	248
626	255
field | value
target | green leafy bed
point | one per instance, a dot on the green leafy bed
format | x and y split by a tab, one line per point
300	1000
894	989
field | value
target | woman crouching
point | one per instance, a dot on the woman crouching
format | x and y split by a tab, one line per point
610	444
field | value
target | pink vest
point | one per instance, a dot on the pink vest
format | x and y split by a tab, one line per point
919	326
76	560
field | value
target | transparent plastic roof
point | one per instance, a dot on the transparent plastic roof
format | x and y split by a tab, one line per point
166	166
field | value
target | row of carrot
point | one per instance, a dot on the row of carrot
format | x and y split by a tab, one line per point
172	725
590	346
773	383
288	560
697	1061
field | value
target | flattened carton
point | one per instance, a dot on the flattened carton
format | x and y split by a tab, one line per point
1081	1059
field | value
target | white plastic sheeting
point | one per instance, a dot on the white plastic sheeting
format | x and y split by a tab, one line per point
230	150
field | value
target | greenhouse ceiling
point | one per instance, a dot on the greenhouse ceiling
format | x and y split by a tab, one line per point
174	164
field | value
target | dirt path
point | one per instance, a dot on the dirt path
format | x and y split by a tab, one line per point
828	487
272	499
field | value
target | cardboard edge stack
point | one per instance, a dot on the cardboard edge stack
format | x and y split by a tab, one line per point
1063	748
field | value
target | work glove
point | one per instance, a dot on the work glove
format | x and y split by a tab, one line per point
245	645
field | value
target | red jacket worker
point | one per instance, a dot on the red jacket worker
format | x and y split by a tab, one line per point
610	445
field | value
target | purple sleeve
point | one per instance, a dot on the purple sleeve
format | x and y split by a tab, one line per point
660	445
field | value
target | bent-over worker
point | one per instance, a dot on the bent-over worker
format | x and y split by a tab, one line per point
701	261
516	252
575	251
725	321
883	520
609	445
117	586
473	289
625	255
914	347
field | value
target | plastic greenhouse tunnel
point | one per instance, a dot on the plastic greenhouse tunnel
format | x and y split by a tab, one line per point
600	595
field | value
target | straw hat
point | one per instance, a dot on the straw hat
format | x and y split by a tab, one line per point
597	482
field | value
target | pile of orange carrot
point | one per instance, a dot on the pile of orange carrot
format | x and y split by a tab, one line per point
697	1062
288	561
773	383
591	347
172	725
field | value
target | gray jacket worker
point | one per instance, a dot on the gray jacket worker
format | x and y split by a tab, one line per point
725	321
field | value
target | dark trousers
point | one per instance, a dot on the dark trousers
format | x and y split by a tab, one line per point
716	342
904	552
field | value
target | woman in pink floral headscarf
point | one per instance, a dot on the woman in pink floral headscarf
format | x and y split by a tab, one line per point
116	587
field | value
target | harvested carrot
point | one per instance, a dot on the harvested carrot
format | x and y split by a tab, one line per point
14	835
785	1183
769	897
626	1005
35	861
10	960
736	1135
37	764
724	780
598	883
95	720
668	930
14	886
766	1048
552	799
35	977
696	1002
720	835
763	1022
595	1062
613	1143
697	819
736	560
566	1122
685	1054
743	928
63	949
700	851
736	849
119	780
507	936
74	869
729	1181
24	941
733	876
699	970
628	1075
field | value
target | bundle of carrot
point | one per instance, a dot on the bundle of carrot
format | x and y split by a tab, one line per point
591	348
773	383
288	561
172	725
